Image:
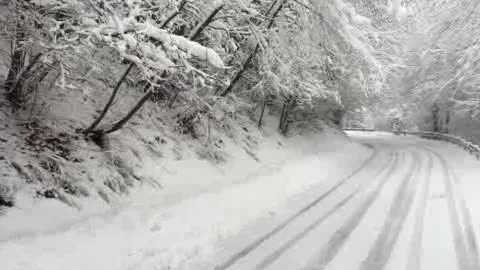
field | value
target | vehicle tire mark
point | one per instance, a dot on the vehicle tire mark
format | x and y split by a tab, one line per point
389	168
466	246
339	238
415	252
299	213
381	251
459	240
472	246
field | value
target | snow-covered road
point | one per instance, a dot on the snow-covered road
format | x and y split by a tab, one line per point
411	204
406	208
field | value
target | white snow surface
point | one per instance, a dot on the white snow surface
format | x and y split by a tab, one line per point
184	224
377	202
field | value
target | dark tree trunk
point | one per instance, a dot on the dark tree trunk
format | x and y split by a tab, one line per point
149	90
15	92
17	62
287	108
447	122
281	3
122	79
282	115
110	101
118	125
173	14
435	118
16	65
200	27
262	112
291	107
239	74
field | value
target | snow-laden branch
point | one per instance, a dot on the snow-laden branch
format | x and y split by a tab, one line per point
191	47
136	35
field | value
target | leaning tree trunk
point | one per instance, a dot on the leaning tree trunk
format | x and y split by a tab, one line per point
149	89
282	115
262	112
17	63
110	101
287	108
118	125
201	26
173	14
16	92
248	60
194	35
122	79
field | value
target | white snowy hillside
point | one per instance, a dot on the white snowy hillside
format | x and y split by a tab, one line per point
239	134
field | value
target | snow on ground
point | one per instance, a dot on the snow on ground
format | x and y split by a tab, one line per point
315	202
200	204
404	210
441	229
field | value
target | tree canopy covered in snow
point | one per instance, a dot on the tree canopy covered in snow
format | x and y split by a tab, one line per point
306	59
204	53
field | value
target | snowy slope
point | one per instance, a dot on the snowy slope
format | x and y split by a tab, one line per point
199	204
402	203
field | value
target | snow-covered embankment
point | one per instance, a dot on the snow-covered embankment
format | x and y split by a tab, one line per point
199	205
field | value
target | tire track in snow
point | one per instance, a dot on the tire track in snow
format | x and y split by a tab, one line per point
390	168
415	252
339	238
459	240
379	254
472	246
466	246
299	213
275	255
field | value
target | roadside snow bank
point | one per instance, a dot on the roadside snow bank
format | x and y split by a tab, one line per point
200	204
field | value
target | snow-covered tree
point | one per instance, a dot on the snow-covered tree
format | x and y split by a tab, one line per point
294	56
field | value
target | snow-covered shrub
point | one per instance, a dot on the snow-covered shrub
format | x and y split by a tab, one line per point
213	151
6	197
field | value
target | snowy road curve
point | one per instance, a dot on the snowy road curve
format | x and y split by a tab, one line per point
404	208
406	204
